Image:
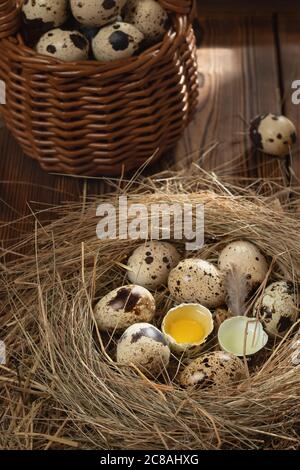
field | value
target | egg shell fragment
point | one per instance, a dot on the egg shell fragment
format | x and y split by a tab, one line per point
68	46
123	307
145	346
198	281
117	41
277	308
38	13
273	134
148	16
212	370
247	258
96	12
150	264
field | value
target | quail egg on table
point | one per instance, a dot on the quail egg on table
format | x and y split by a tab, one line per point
247	257
150	264
273	134
148	16
117	41
38	13
145	346
96	12
277	308
123	307
69	46
212	370
197	280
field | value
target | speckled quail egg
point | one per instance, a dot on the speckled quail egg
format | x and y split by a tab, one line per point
38	13
247	257
148	16
197	280
117	41
96	12
213	369
145	346
123	307
65	45
273	134
150	264
277	308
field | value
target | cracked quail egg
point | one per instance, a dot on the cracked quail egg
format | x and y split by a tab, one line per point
197	280
213	369
123	307
148	16
273	134
145	346
150	264
41	13
277	308
117	41
247	258
69	46
96	12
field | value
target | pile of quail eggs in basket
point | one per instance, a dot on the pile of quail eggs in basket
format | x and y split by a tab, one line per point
207	303
105	30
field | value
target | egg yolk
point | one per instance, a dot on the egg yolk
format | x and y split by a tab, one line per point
186	331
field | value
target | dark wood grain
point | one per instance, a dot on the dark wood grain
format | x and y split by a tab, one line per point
246	6
289	41
239	76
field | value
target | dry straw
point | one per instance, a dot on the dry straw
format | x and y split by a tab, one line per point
60	387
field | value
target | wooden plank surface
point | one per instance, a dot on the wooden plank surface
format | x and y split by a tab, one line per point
239	79
289	40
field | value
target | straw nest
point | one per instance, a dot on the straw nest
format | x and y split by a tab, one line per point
60	387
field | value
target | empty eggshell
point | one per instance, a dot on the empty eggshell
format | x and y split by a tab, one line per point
145	346
273	134
123	307
38	13
247	258
150	264
96	12
197	280
277	308
69	46
117	41
213	369
148	16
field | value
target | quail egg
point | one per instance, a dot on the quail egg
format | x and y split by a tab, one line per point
277	308
197	280
150	264
273	134
295	356
213	369
117	41
123	307
148	16
96	12
68	46
145	346
38	13
247	258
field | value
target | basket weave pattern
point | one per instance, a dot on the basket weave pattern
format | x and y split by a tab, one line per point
99	119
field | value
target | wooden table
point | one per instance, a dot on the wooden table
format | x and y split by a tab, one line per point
247	63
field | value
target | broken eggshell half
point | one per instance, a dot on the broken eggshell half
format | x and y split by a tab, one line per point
187	327
242	336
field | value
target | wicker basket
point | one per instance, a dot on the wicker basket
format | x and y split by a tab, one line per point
88	118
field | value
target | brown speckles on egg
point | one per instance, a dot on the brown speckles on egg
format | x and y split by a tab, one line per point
35	13
123	307
149	17
147	265
199	284
273	134
96	13
145	346
212	370
277	308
